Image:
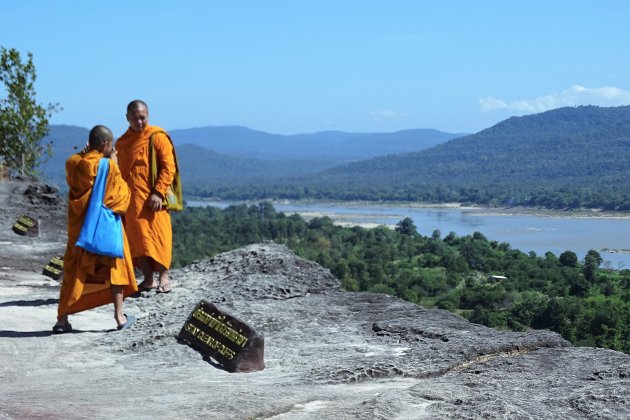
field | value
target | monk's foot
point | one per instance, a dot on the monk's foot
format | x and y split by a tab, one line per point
120	319
147	286
128	322
62	328
165	285
163	288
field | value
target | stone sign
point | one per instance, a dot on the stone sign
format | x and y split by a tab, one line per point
54	268
229	341
26	226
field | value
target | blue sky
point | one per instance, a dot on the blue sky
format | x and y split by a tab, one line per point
304	66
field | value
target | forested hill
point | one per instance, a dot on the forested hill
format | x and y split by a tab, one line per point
199	166
333	146
565	158
221	157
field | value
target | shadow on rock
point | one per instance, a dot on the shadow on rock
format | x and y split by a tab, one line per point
36	302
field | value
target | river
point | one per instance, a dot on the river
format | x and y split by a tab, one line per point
539	233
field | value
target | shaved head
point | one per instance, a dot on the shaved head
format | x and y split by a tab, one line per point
135	104
137	115
99	135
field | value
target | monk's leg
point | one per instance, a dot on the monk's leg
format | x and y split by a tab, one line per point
117	298
165	284
62	325
62	320
145	266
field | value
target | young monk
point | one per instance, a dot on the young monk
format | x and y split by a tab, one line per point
91	280
147	222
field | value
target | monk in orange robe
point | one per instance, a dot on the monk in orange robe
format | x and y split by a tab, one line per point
147	222
92	280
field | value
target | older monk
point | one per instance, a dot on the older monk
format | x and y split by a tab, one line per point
92	280
147	221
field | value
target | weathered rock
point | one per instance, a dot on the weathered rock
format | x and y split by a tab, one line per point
329	354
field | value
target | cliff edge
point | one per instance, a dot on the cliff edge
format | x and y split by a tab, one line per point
329	354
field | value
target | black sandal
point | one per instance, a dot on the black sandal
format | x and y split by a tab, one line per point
142	288
62	329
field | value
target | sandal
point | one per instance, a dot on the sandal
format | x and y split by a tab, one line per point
62	329
143	288
130	320
163	288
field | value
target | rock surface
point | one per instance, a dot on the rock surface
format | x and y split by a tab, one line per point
329	354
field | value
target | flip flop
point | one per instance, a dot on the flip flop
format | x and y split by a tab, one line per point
128	323
163	289
62	329
142	288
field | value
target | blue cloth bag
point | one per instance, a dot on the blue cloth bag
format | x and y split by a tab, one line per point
101	232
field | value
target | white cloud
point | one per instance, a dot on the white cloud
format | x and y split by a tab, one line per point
573	96
490	103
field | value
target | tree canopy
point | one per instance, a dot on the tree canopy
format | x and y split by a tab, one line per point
23	122
484	280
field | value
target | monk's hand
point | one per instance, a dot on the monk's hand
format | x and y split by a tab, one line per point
155	202
114	156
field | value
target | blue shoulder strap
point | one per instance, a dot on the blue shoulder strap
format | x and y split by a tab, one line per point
90	222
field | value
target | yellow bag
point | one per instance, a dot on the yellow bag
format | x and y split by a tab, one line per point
173	199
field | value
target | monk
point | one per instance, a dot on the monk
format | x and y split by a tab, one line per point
147	222
91	280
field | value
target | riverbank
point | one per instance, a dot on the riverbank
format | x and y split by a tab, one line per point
485	211
525	229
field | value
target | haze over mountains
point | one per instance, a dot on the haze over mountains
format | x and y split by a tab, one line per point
336	146
565	158
218	155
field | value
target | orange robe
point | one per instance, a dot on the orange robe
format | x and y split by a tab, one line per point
87	277
149	232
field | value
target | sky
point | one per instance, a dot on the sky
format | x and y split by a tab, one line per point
304	66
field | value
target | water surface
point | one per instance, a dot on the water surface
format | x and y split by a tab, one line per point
537	233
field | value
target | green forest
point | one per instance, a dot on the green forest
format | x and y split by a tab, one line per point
567	158
485	281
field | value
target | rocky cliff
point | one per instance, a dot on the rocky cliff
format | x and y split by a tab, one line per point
329	354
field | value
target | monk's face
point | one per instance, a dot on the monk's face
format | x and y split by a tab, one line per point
138	118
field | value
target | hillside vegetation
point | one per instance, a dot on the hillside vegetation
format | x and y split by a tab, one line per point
220	158
562	159
488	282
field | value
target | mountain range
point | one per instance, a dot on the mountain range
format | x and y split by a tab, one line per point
215	156
572	157
567	158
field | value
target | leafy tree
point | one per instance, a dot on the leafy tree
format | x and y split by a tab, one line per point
537	291
23	122
592	261
406	227
568	259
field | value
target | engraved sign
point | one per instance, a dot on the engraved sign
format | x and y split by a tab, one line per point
54	268
26	226
217	334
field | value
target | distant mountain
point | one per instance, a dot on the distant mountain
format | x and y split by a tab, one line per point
205	168
212	157
66	140
564	158
334	146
